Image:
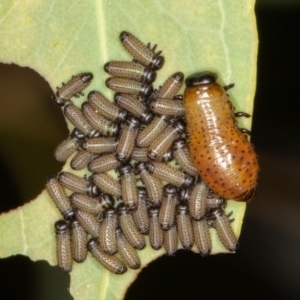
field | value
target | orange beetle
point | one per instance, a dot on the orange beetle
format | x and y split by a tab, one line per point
221	152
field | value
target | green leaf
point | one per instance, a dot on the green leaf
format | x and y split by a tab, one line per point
61	38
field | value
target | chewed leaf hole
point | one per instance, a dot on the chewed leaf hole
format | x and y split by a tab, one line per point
30	128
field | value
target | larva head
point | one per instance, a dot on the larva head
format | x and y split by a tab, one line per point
182	209
158	62
146	90
170	189
124	35
179	144
153	212
124	169
140	166
216	212
58	100
61	226
77	134
92	244
86	77
201	78
202	85
93	190
184	195
168	156
107	201
142	192
149	75
147	117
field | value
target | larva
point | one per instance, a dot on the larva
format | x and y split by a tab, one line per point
156	234
140	52
224	230
79	241
100	123
126	251
57	194
129	86
78	184
91	205
153	185
221	152
164	141
129	188
127	139
106	108
109	262
107	235
171	240
63	246
133	236
170	87
130	70
184	226
133	105
167	211
73	88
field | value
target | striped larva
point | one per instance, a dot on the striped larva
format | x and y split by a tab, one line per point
106	108
163	106
164	141
153	185
73	88
63	245
140	52
202	236
129	188
130	70
103	163
184	226
197	201
100	145
91	205
166	173
107	235
127	139
140	216
156	234
78	184
170	87
79	240
57	194
107	184
100	123
152	131
166	215
171	240
68	146
224	230
76	117
82	159
109	262
133	105
126	251
183	157
89	222
141	154
133	236
129	86
221	152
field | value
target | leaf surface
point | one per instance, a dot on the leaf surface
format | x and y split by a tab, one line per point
59	39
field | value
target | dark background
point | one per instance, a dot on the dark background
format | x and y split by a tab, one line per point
267	265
